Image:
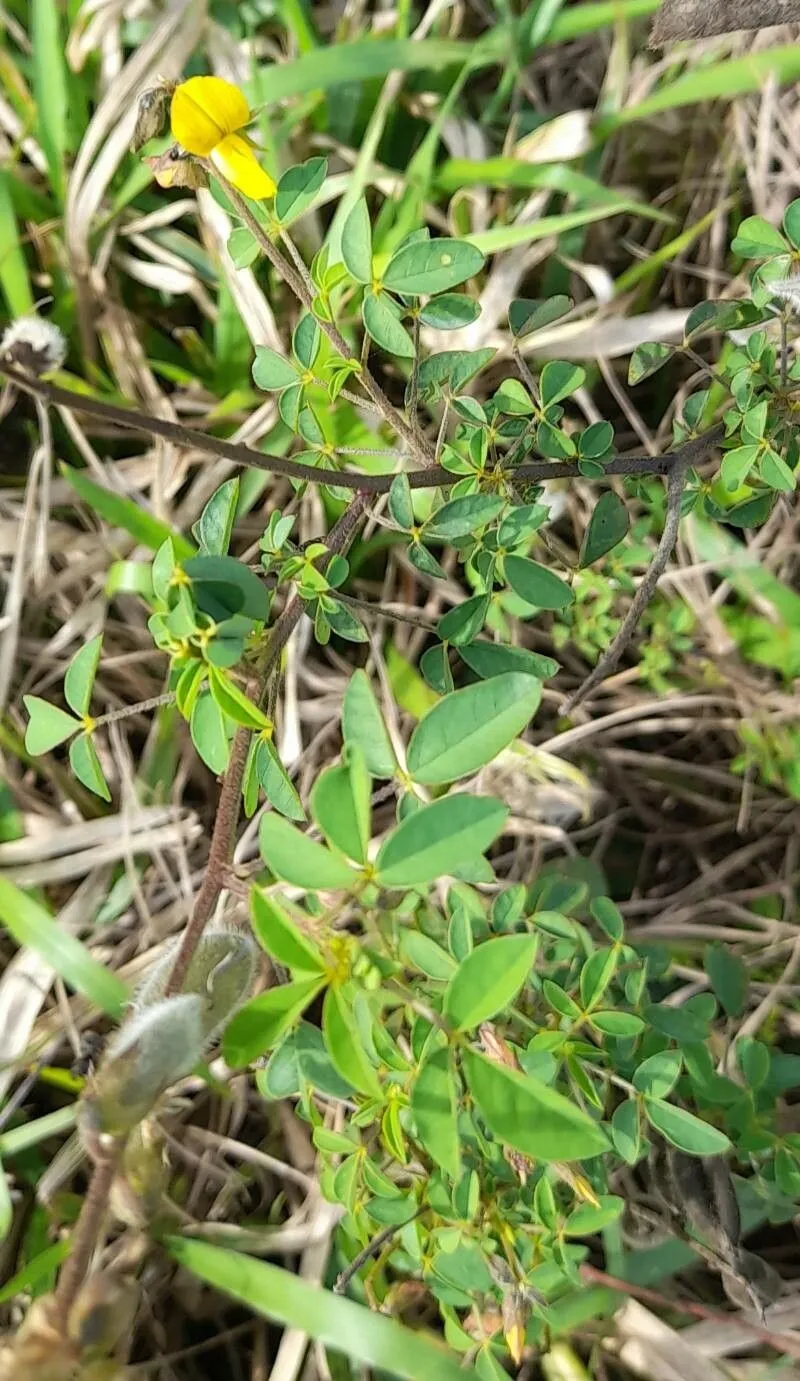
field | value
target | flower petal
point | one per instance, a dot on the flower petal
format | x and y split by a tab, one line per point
236	161
204	110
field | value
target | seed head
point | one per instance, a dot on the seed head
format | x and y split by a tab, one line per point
33	344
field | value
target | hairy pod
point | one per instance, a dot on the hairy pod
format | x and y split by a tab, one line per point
157	1046
220	973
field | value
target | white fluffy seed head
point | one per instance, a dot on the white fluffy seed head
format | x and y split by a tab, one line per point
33	344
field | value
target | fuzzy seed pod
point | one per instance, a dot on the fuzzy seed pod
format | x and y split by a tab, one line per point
157	1046
221	973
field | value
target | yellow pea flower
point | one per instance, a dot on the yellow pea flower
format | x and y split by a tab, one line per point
206	114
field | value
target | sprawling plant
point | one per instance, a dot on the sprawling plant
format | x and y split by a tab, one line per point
501	1054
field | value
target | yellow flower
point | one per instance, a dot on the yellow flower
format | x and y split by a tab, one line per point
206	114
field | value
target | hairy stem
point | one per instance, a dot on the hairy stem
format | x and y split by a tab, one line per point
298	281
87	1231
223	838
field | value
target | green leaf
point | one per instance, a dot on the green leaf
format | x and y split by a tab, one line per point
233	702
587	1219
596	442
625	1131
33	927
684	1130
47	725
281	937
275	781
791	223
596	974
438	839
373	1340
536	584
553	443
658	1075
223	586
757	239
776	473
462	624
494	659
343	1043
620	1024
737	464
648	359
80	674
421	952
357	242
401	508
450	312
295	858
488	980
608	917
121	512
606	528
558	380
340	804
50	88
85	764
434	1108
298	187
528	314
259	1025
432	266
306	340
382	323
463	517
467	729
530	1116
214	526
728	977
209	733
243	247
449	371
272	371
362	725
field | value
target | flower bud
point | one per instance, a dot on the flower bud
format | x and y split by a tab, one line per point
151	115
156	1047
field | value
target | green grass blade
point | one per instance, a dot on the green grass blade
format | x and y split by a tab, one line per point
33	1271
13	269
40	1129
33	927
600	14
504	237
722	81
371	1339
50	89
121	512
363	60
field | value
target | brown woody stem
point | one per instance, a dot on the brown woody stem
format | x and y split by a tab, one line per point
87	1231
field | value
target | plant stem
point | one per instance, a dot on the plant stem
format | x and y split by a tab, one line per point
645	592
418	445
433	477
87	1231
223	837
